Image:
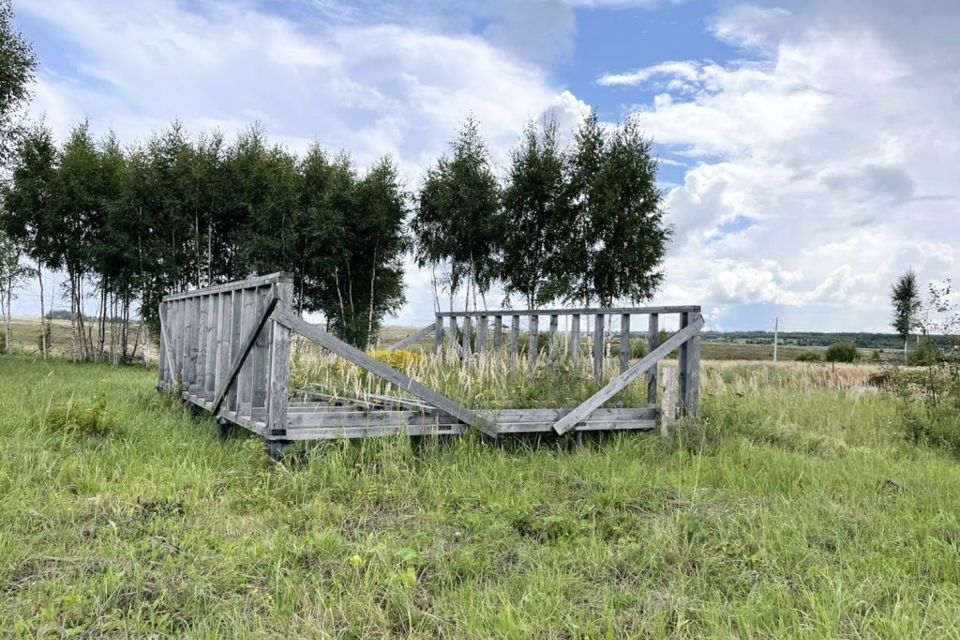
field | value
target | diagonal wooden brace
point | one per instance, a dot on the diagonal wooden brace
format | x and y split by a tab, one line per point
245	347
616	385
422	333
362	360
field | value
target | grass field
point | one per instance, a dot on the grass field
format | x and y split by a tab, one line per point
794	509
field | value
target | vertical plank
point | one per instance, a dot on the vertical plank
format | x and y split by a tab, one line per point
279	371
261	349
245	376
514	336
453	332
598	346
653	341
236	328
575	338
213	329
437	334
180	339
624	341
684	351
203	312
534	338
691	401
668	412
467	331
554	345
162	372
224	331
482	334
191	334
497	332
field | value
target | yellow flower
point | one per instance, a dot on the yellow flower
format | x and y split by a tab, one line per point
356	560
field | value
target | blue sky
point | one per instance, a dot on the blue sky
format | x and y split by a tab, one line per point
809	148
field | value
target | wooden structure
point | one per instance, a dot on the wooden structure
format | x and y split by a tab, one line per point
226	349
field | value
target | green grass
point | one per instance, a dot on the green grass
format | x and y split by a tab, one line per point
795	509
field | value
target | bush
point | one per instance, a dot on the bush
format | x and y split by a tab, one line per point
808	356
842	352
638	348
3	343
927	353
83	417
930	409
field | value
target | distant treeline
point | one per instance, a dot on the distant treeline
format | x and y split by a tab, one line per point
863	340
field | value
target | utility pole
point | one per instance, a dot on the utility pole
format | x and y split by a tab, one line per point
776	326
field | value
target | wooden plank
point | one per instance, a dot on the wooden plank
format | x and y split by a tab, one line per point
438	335
684	361
380	418
617	385
552	415
624	342
260	281
467	336
380	369
482	329
575	337
691	401
213	328
554	344
203	312
585	311
589	425
261	348
240	356
279	369
419	335
352	433
515	336
236	335
668	412
166	350
247	322
179	341
534	330
497	332
653	339
223	340
598	346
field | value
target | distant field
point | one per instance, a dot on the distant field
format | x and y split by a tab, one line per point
26	336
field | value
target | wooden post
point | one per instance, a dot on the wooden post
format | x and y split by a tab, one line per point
213	326
467	331
245	376
515	336
437	333
164	345
181	342
223	338
453	332
482	334
598	346
534	329
653	341
203	311
280	364
236	331
193	326
260	353
497	332
554	347
691	398
668	411
624	341
575	338
684	362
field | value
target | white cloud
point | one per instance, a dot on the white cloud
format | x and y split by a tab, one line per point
837	138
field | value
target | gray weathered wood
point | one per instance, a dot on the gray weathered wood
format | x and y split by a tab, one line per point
624	342
653	339
236	335
279	371
223	340
617	385
598	346
247	324
168	364
203	312
240	357
260	356
554	344
497	332
260	281
453	332
416	337
691	399
213	325
467	336
514	336
482	329
380	369
668	412
586	311
684	361
575	337
438	334
532	340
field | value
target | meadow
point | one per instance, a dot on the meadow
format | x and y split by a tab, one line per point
794	508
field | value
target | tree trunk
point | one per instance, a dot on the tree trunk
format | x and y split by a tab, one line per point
43	315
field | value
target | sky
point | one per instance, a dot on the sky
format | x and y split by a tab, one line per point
809	149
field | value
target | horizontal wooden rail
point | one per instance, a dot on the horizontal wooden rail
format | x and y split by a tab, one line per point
570	312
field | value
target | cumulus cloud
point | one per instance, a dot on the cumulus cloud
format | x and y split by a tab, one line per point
835	135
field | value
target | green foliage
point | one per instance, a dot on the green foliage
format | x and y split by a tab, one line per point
930	403
842	352
808	356
905	299
17	64
81	417
927	353
638	348
3	342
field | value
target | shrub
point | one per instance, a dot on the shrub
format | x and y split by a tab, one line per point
808	356
638	348
3	343
930	409
401	359
84	417
927	353
842	352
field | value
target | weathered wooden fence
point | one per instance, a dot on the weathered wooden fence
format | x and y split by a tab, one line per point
226	349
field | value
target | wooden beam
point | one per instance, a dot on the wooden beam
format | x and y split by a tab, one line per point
261	281
362	360
617	385
245	347
598	346
575	338
624	342
419	335
567	312
653	339
167	348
